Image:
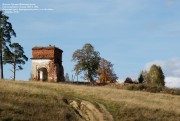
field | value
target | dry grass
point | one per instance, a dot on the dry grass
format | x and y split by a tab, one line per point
23	102
43	101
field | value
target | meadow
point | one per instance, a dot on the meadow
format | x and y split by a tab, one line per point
37	101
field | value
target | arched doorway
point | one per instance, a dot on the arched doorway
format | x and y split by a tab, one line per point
42	74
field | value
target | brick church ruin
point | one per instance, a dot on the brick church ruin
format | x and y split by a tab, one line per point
47	64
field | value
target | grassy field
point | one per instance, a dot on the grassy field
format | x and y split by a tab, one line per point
36	101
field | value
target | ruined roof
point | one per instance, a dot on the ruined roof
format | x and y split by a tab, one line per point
45	48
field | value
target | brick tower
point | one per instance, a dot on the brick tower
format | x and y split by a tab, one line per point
47	64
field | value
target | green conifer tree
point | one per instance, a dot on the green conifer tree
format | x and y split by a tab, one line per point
15	56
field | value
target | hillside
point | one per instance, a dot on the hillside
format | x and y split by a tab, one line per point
35	101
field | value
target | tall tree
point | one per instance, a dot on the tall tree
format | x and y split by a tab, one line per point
14	56
87	61
106	72
155	76
6	31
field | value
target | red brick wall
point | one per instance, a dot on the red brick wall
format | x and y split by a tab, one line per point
47	53
43	53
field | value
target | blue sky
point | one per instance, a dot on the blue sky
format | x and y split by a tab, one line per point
132	34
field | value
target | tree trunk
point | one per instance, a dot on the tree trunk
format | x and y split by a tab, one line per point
90	78
14	72
1	62
77	76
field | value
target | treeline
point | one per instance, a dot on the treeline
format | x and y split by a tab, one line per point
155	77
98	70
95	68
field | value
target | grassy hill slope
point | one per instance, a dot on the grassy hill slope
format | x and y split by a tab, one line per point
35	101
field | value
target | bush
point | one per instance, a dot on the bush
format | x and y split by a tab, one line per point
142	87
172	91
154	89
128	80
135	87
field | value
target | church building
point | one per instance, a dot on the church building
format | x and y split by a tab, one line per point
47	64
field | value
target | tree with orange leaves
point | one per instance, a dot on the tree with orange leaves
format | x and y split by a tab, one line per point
106	72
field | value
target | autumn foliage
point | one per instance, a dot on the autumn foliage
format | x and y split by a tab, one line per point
106	72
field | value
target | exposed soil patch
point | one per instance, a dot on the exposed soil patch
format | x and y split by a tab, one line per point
88	111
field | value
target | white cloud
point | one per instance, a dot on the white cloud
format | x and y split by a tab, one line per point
171	69
172	82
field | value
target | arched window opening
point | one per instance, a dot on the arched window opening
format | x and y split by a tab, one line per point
42	74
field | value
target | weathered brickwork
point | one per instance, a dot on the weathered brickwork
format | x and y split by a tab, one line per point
47	64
